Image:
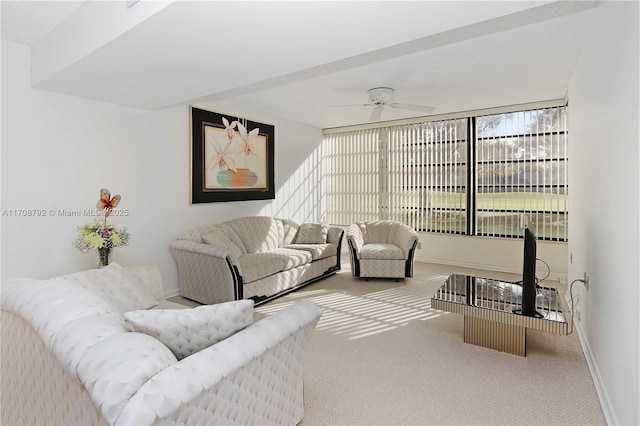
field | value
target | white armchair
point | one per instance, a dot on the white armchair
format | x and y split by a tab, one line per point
381	248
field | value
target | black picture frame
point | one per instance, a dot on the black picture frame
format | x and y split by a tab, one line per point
227	163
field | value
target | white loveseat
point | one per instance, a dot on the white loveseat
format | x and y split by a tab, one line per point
70	355
257	257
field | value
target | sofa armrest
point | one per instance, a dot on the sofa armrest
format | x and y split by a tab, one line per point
334	235
406	238
355	241
208	249
35	385
252	377
355	238
207	272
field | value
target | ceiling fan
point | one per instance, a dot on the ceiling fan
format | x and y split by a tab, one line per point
380	98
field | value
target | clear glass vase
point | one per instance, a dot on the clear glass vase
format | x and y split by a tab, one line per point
103	257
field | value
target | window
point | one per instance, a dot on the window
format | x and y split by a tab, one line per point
427	169
521	170
474	175
351	176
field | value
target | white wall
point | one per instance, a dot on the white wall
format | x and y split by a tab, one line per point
58	151
604	197
492	254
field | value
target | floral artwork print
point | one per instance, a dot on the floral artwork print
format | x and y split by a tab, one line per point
235	157
232	158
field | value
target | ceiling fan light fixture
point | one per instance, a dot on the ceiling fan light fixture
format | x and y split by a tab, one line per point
380	94
380	97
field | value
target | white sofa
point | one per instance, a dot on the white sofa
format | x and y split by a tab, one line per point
257	257
69	355
381	249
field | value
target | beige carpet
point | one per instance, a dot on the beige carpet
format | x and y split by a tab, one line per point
381	356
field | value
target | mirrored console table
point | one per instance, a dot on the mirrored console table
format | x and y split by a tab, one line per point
490	311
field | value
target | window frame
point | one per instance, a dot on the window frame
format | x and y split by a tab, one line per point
473	209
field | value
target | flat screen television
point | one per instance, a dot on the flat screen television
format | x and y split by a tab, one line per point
529	284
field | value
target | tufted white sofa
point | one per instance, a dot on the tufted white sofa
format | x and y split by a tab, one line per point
258	257
381	248
70	355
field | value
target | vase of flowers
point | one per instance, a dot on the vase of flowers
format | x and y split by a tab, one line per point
99	235
103	256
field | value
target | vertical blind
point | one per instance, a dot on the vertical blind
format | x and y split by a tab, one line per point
427	175
351	170
521	160
413	173
475	175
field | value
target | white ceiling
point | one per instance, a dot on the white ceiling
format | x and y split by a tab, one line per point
298	59
26	22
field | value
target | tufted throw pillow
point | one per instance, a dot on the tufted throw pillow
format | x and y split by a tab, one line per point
312	233
187	331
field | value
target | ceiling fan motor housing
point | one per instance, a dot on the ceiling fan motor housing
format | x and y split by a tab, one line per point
380	95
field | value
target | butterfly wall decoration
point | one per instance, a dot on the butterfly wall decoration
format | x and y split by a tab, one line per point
107	202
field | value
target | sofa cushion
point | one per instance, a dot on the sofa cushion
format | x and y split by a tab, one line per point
115	367
233	236
375	231
291	258
381	251
259	265
187	331
318	251
195	235
312	233
290	228
258	233
219	238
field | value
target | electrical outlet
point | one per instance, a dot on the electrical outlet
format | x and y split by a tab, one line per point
578	315
586	280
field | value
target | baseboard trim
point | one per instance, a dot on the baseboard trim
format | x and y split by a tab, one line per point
601	390
472	265
171	293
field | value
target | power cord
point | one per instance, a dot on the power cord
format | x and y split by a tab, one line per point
548	271
538	281
571	298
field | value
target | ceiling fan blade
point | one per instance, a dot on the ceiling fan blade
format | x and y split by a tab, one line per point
375	113
413	107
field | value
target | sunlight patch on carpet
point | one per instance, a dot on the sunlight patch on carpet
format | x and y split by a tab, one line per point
358	316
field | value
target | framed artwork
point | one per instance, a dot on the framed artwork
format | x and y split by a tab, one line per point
231	158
